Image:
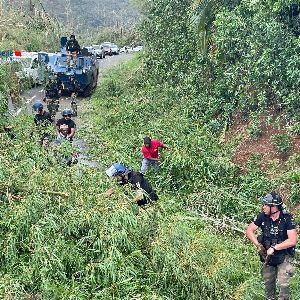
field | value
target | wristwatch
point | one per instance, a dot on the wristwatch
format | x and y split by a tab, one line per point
273	246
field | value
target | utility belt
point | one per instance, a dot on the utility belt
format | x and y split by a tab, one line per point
279	255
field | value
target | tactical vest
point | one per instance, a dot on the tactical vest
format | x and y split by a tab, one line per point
272	235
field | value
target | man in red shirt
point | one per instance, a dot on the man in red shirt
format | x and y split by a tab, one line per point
150	153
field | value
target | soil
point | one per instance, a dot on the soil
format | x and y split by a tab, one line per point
263	146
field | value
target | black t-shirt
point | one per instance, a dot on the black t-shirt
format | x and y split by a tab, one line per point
72	45
70	123
138	181
44	119
274	232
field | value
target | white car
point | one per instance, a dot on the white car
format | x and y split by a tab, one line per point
126	49
90	49
114	49
33	68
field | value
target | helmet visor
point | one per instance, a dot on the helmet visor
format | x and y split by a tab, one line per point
112	171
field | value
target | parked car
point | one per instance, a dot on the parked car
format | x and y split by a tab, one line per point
99	51
126	49
34	67
114	49
107	48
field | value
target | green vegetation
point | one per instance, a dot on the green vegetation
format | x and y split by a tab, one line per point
282	142
63	238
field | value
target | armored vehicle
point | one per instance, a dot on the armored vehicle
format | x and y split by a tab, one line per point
85	70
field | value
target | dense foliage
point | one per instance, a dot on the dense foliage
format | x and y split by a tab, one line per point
62	237
227	56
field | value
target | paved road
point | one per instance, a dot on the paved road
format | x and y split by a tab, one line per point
38	93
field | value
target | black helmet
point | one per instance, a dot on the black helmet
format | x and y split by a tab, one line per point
272	199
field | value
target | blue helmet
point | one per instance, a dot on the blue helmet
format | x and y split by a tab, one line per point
38	105
67	112
117	169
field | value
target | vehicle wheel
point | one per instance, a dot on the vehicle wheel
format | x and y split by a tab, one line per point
88	91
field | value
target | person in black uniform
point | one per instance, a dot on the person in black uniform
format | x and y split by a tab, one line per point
54	87
72	45
124	175
276	245
73	48
42	117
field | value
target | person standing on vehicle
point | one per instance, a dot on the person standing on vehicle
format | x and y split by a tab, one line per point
42	117
72	47
66	120
276	245
124	175
150	153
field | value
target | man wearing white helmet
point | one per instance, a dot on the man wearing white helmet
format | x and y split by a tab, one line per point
63	134
124	175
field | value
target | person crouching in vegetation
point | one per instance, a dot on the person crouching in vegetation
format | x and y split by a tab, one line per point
42	117
64	151
150	153
124	175
276	245
66	120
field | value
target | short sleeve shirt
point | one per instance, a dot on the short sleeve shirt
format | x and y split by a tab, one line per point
152	152
260	220
276	230
70	123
